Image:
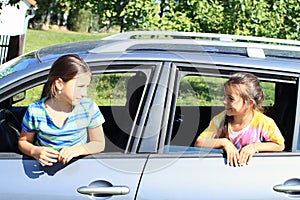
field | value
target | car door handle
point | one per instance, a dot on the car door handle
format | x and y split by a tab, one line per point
114	190
287	189
291	186
103	188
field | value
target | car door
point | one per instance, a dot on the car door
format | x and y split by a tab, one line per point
180	171
109	175
208	177
113	174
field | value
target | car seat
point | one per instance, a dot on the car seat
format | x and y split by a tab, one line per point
10	128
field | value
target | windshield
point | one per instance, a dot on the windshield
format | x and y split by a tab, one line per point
17	64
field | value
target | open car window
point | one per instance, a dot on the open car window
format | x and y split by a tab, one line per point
199	97
118	93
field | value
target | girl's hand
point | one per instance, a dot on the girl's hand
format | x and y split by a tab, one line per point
67	153
45	155
233	155
246	154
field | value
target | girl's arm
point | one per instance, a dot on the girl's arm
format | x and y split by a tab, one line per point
95	145
26	142
44	155
248	151
268	146
221	143
97	141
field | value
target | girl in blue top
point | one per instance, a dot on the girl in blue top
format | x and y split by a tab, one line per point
64	122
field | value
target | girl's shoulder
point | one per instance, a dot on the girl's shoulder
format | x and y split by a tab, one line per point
261	117
37	104
87	102
36	108
219	117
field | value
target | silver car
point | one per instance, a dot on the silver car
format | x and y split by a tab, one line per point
157	91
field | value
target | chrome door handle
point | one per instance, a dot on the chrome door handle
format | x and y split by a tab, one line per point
287	188
291	186
114	190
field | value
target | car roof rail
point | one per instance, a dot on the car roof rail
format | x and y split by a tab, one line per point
197	35
255	45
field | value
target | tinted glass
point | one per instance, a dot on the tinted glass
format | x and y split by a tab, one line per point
18	64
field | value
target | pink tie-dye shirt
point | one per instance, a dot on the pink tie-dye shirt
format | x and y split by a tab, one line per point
261	128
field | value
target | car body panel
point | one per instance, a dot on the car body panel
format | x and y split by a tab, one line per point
209	177
25	178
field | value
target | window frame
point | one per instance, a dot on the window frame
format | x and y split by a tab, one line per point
183	69
98	67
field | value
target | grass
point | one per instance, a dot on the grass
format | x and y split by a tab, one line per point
36	39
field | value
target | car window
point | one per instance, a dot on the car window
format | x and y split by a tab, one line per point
208	91
31	95
118	95
200	98
105	89
109	89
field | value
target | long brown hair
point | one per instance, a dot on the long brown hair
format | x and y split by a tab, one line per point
252	90
65	67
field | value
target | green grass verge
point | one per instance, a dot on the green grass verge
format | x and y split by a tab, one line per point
36	39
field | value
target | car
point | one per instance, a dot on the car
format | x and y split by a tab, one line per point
157	90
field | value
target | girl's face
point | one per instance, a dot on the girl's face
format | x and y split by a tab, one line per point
75	89
233	102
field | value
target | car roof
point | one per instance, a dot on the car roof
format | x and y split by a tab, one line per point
255	46
164	44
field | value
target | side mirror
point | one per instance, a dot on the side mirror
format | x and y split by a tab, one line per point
19	97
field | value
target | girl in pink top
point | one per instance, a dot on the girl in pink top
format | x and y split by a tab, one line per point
242	129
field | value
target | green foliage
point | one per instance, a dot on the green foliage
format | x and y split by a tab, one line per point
104	89
278	19
141	15
110	13
269	90
204	16
109	89
82	21
200	91
209	91
268	18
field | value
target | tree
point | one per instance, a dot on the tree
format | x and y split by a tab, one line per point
141	15
269	18
204	15
110	13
